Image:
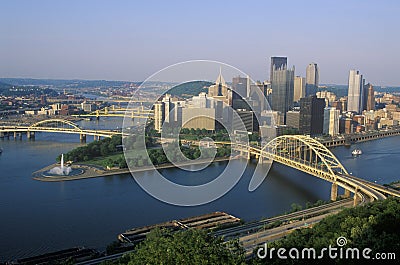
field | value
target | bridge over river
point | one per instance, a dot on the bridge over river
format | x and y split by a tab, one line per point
297	151
54	126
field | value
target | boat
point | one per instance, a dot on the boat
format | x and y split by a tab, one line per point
356	152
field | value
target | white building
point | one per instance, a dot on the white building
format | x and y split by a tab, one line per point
299	88
331	121
328	96
355	93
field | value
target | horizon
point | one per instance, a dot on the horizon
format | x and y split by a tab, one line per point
133	81
99	40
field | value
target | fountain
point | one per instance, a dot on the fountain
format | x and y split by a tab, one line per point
61	170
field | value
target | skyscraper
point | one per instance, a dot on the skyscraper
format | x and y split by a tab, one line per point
239	92
370	98
299	88
239	85
220	90
282	84
311	115
276	64
331	121
159	115
312	79
355	93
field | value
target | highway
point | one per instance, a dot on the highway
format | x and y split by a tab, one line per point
252	241
254	227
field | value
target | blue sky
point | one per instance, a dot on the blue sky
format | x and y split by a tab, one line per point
130	40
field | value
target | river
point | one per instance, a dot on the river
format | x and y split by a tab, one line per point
38	217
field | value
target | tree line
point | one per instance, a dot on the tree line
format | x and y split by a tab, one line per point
104	147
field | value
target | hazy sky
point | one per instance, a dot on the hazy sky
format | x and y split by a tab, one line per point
130	40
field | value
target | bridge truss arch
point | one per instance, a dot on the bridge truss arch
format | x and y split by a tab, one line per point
56	124
307	151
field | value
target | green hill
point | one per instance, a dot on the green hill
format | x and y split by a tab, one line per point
190	89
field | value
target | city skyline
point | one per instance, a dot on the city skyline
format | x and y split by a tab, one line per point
184	132
131	41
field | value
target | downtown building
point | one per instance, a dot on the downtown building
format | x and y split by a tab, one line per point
282	84
331	121
277	63
370	105
167	110
312	79
293	119
311	116
355	97
299	88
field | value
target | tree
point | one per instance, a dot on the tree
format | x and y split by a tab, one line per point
109	163
184	247
372	225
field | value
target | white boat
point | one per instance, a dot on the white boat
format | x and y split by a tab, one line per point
356	152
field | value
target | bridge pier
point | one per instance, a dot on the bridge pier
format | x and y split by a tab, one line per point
30	135
346	193
334	192
4	135
82	138
16	134
355	201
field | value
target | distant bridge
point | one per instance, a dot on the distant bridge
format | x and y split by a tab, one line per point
139	112
54	126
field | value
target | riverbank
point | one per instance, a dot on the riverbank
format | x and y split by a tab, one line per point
94	171
348	140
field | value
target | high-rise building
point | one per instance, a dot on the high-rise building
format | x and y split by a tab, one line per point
258	96
159	115
201	101
331	121
312	79
299	88
239	85
328	96
240	92
271	118
277	63
355	96
370	98
311	115
282	84
164	111
168	106
247	118
220	90
293	119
